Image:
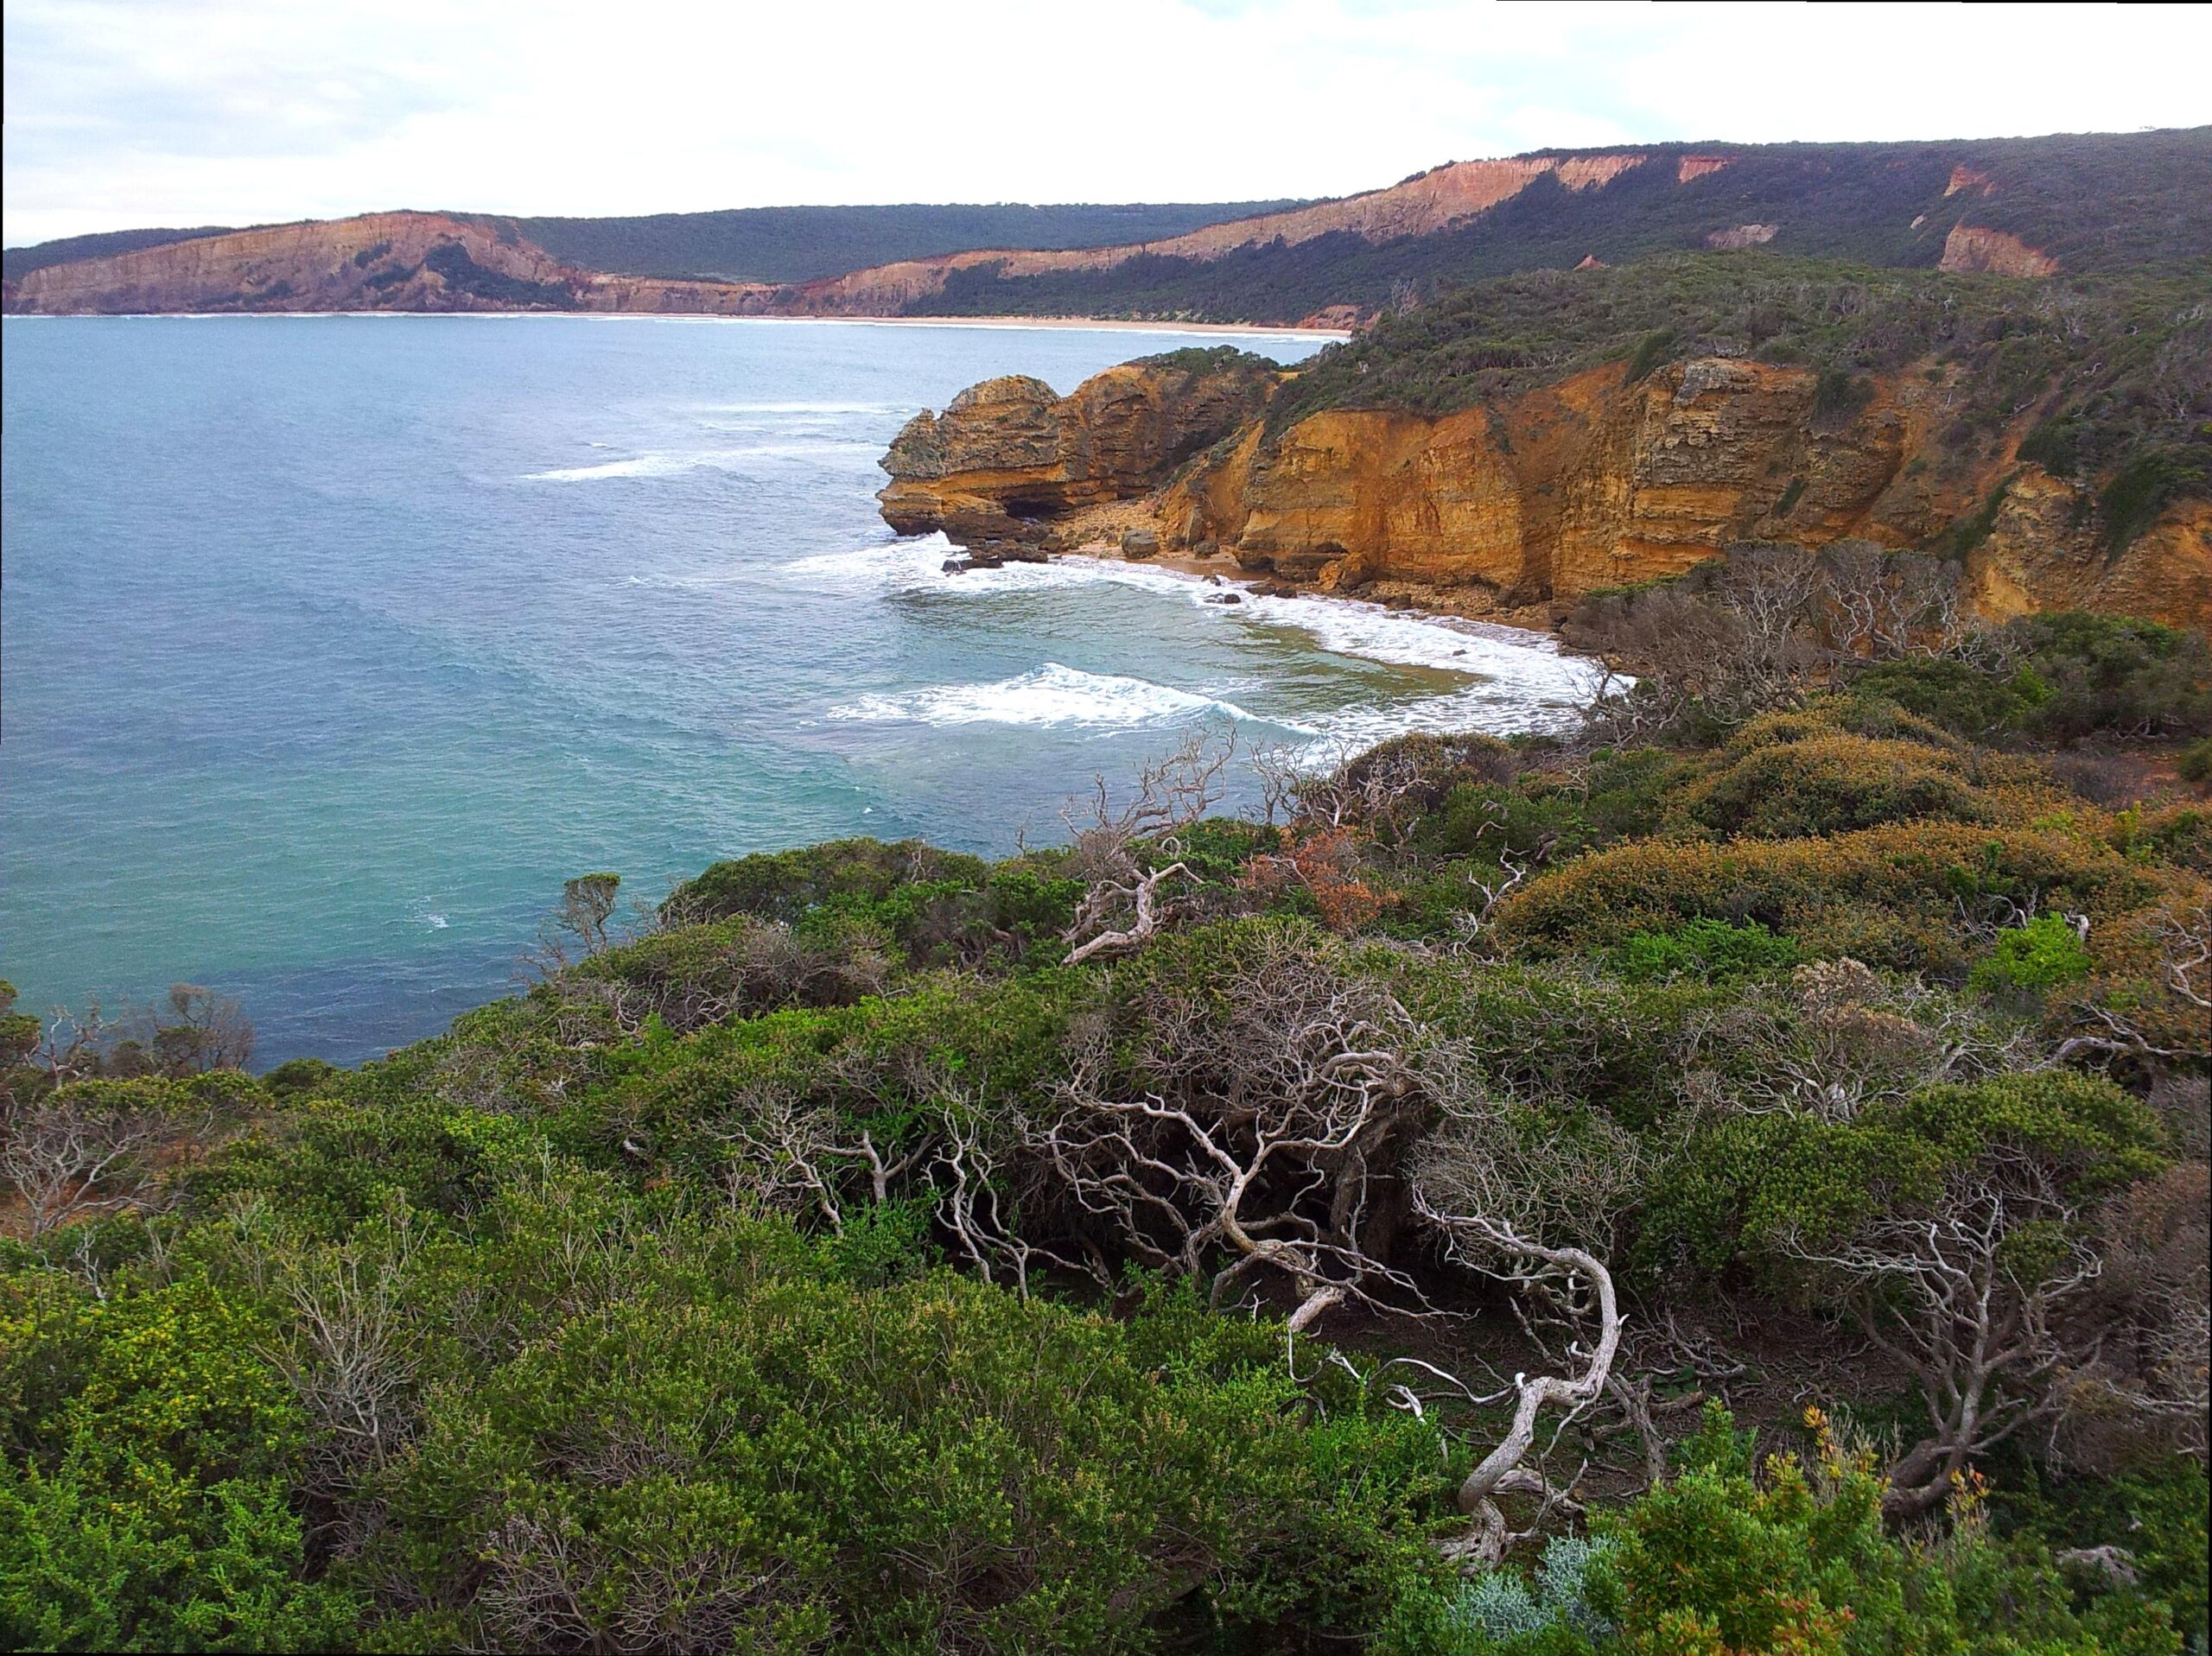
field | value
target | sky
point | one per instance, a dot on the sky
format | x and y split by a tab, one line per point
124	113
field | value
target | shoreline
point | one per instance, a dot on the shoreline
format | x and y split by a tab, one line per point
1423	603
1009	323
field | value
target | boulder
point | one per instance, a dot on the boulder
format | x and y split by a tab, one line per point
1140	544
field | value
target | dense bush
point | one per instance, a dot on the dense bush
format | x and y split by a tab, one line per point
1835	785
832	1265
1889	896
1747	1186
1789	1555
146	1502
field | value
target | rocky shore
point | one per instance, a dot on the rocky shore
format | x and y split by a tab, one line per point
1515	511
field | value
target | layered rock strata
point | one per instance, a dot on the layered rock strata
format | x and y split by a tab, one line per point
1590	483
1011	457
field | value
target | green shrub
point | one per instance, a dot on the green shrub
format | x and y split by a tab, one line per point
721	1442
787	884
1732	1556
2041	954
1711	950
2112	676
150	1508
1889	896
2194	761
1838	397
2143	488
1744	1185
1833	785
1650	352
1956	695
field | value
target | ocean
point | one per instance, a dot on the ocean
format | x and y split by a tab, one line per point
331	646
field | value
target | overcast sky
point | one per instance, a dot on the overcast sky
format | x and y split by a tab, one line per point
176	113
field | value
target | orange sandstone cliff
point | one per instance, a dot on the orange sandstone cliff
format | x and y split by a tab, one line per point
1010	455
1582	485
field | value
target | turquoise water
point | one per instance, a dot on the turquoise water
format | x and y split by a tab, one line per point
334	644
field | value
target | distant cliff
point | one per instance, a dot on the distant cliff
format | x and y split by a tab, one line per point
385	261
2029	207
1564	483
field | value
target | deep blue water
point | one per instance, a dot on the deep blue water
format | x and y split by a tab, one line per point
334	644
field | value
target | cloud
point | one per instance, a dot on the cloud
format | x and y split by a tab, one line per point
124	113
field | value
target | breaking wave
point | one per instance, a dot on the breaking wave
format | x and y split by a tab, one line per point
1524	682
1052	695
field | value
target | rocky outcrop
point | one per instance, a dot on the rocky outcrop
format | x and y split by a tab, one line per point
1975	247
2038	556
1009	456
1738	236
1583	484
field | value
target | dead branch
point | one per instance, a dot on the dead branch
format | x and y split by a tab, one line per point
1127	854
1940	1292
81	1151
1259	1140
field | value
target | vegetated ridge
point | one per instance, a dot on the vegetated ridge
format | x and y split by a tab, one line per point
757	243
2022	206
791	245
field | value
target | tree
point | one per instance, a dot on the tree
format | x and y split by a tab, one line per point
1254	1130
1966	1294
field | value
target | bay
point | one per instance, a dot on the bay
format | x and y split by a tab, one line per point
331	646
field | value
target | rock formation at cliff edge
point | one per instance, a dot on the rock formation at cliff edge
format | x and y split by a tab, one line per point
1521	508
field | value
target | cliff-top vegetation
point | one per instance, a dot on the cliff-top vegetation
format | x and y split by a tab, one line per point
2111	377
767	243
1730	1179
2093	203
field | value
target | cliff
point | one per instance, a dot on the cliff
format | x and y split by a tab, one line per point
1420	206
2030	208
1009	456
423	261
1524	504
384	261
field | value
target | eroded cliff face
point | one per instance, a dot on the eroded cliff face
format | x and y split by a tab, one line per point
1010	456
385	261
310	266
1975	247
1590	483
1429	201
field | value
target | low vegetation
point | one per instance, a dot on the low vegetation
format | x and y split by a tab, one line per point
1731	1179
805	243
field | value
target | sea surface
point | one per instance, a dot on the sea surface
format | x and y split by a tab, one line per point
329	646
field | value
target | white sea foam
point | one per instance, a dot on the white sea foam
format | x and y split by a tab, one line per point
1522	679
642	466
737	458
1052	694
802	407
